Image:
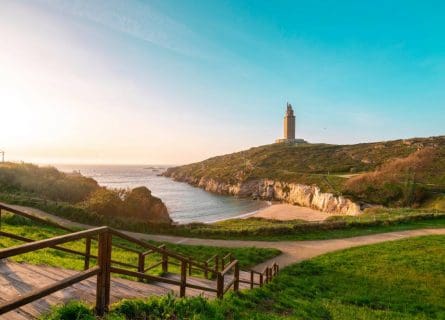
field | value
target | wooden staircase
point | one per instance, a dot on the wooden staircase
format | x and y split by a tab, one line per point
26	291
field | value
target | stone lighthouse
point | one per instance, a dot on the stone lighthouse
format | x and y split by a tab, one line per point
289	123
289	127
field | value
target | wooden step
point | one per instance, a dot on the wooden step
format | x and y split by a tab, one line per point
20	278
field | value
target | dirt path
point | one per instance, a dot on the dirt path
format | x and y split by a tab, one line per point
292	251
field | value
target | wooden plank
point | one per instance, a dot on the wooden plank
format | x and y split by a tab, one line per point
46	290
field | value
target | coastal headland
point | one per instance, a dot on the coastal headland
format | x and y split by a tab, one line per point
330	179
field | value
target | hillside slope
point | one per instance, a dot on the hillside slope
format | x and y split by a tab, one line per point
329	167
28	182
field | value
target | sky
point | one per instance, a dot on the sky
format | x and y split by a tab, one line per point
173	82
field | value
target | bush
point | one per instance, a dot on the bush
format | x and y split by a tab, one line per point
398	182
45	182
73	310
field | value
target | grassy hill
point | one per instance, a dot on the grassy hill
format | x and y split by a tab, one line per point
404	172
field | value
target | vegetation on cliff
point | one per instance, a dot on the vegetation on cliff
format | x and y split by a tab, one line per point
357	283
394	173
31	183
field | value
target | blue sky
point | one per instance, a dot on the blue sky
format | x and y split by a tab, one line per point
179	81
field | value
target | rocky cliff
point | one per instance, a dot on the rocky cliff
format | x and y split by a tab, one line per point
140	203
266	189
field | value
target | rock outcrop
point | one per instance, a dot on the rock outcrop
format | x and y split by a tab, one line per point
266	189
141	204
137	203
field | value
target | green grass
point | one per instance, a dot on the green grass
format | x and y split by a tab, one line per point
371	222
247	257
402	279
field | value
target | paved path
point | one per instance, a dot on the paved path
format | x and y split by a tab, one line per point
291	251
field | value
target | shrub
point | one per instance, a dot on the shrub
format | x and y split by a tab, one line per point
46	182
398	181
73	310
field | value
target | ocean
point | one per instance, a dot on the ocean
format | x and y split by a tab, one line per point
185	203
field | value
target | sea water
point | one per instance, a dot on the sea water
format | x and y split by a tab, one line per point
185	203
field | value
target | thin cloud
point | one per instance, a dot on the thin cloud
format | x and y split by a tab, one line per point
138	20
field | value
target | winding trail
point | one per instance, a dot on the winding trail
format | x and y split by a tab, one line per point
291	251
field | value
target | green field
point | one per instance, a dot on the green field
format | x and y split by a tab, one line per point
402	279
247	257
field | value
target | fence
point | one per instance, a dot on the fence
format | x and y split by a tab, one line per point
215	267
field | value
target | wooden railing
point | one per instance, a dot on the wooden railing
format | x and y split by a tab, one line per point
101	270
225	269
263	277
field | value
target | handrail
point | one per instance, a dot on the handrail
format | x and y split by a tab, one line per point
50	223
67	250
35	218
229	267
124	236
41	244
212	258
144	275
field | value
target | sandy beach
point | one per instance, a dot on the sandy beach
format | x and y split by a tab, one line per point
289	212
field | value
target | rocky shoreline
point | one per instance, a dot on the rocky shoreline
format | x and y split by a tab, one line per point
266	189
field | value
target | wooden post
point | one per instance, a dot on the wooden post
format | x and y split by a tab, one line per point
206	272
164	262
103	278
220	285
251	279
141	265
87	253
222	264
183	278
216	263
190	267
261	280
236	275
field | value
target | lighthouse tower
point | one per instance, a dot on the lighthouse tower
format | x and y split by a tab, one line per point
289	123
289	127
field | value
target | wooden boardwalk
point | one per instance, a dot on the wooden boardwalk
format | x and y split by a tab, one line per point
20	278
